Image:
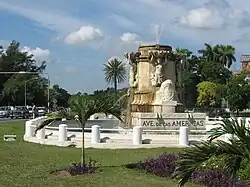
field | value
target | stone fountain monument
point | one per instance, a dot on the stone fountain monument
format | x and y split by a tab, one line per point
153	77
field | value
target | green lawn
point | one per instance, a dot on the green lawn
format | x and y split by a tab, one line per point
27	164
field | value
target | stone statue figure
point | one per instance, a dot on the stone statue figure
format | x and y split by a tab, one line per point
133	59
157	76
167	91
158	59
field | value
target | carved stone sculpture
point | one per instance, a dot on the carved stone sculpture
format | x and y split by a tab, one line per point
132	59
158	59
167	91
157	76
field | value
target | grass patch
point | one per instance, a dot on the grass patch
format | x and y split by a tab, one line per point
27	164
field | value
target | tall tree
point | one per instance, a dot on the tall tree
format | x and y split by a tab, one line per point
238	92
207	94
223	54
60	95
226	55
188	77
12	86
115	72
209	52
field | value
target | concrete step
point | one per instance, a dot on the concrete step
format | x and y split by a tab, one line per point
119	140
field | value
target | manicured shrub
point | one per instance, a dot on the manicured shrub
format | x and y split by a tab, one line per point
215	178
80	169
244	171
165	164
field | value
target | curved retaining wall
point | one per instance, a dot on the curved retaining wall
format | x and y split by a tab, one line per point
119	139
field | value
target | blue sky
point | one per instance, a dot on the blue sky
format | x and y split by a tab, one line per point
77	37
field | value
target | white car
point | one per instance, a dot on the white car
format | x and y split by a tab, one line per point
41	111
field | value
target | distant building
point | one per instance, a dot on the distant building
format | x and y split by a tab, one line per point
245	65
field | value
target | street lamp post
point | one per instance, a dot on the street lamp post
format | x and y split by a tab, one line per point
36	73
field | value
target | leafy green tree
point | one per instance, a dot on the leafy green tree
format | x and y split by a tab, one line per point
213	72
60	95
238	92
82	107
115	72
188	77
207	94
232	152
12	85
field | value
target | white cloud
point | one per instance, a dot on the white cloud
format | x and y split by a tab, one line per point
215	14
53	19
187	23
70	69
203	18
39	54
129	37
83	35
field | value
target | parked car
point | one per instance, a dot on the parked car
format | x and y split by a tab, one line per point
41	111
30	109
20	112
4	112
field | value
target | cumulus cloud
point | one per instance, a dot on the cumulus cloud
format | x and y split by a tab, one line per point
83	35
129	37
203	18
215	14
38	53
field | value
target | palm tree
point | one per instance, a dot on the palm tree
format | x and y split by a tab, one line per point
81	109
115	72
233	151
208	53
226	53
223	54
181	67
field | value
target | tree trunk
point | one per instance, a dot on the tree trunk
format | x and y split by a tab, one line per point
115	83
83	161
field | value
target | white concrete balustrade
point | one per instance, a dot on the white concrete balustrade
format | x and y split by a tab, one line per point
63	135
29	129
137	135
131	137
95	134
183	136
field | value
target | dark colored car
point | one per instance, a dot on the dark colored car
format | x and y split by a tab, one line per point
20	112
4	112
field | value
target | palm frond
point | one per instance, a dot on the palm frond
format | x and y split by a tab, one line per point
46	122
54	116
233	127
192	158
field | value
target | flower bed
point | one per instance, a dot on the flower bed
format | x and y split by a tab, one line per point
165	164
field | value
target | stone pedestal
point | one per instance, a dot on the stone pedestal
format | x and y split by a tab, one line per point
168	121
169	107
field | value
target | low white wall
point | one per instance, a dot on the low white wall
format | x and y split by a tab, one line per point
130	137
